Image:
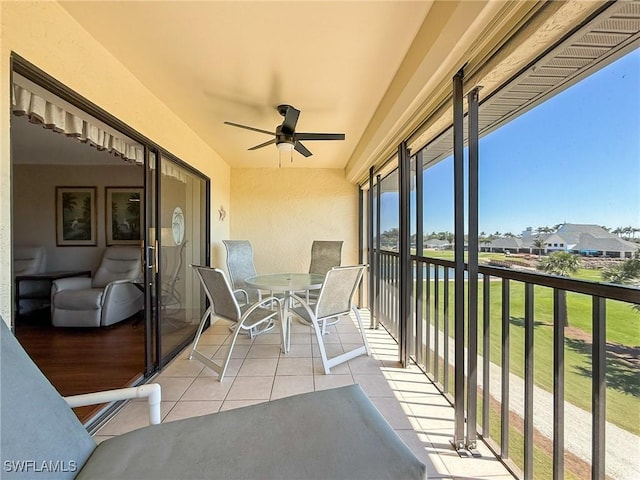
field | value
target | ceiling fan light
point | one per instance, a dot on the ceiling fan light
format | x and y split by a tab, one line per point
285	146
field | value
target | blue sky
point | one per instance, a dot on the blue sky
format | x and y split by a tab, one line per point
575	158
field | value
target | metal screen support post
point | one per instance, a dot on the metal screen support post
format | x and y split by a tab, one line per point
371	256
406	277
472	350
419	253
377	255
458	441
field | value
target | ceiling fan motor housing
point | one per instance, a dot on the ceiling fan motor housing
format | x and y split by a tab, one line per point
284	137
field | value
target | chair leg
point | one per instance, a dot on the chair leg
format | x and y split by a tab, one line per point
328	363
323	351
199	333
225	364
364	336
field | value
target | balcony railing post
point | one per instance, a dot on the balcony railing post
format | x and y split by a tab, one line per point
436	323
427	332
528	380
558	387
504	403
599	386
486	352
445	331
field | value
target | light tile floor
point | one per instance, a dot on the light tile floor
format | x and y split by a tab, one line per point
259	372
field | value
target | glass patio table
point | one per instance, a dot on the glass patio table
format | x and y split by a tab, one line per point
287	284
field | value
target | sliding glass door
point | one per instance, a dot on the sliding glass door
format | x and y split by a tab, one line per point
182	240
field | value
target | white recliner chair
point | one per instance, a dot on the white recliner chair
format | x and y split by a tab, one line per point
107	298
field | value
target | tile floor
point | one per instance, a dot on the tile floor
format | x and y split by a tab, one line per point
259	372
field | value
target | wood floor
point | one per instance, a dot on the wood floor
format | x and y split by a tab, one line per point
82	360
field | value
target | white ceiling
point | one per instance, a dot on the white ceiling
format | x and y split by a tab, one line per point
211	61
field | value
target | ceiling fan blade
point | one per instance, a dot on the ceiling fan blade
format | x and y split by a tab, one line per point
249	128
320	136
273	140
290	119
302	149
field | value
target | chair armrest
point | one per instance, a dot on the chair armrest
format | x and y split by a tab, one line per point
71	283
265	301
125	285
244	293
305	304
151	391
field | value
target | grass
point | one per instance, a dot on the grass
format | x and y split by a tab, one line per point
623	381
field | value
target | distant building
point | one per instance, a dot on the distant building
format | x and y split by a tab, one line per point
588	245
504	245
581	239
589	240
437	244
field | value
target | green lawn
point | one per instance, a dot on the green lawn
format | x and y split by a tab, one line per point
623	389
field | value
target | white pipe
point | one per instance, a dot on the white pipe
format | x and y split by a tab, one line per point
151	391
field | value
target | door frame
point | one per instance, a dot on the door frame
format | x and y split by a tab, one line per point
20	65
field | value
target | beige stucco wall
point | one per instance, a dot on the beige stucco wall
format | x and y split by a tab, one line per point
281	211
45	35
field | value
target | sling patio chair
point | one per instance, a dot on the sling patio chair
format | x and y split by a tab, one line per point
224	304
240	266
334	300
325	254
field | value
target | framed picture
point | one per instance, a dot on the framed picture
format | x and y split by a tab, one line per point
124	215
76	216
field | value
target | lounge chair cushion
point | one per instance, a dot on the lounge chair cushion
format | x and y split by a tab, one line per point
41	437
331	434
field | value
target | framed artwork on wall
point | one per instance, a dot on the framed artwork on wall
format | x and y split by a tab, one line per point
124	214
76	216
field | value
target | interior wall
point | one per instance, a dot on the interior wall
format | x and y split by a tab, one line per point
47	36
281	211
34	208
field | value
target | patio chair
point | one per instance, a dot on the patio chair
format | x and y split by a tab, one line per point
42	438
335	299
325	254
240	266
224	304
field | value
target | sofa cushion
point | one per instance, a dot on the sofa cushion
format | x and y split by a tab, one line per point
40	436
330	434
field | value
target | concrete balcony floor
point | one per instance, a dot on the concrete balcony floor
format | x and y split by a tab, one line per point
259	372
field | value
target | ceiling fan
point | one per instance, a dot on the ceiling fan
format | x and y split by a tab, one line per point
286	138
